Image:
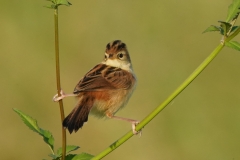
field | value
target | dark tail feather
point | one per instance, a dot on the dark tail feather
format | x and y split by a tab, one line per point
78	116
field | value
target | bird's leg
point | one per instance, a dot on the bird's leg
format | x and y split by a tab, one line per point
56	98
133	122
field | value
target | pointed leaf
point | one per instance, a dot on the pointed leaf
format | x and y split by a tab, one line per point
32	124
233	44
50	6
233	10
68	149
225	26
234	28
54	156
29	121
212	28
82	156
70	156
48	138
63	2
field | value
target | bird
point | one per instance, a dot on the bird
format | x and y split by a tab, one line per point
103	90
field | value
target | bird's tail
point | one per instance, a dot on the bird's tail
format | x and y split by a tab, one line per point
79	115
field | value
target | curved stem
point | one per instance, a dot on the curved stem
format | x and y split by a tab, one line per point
58	82
146	120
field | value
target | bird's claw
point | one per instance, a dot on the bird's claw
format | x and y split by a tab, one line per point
134	124
57	98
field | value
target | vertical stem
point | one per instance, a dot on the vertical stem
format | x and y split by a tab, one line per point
58	82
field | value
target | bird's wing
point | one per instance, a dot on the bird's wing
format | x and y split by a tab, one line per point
103	77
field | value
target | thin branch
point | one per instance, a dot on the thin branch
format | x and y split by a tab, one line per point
58	82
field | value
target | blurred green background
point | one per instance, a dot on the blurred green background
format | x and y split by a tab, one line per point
166	44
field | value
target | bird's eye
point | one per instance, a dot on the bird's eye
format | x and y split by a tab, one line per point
105	57
120	55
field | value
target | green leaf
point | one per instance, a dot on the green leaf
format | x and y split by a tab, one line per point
225	26
48	138
57	3
29	121
212	28
82	156
68	149
32	124
70	156
50	6
233	10
234	28
63	2
54	156
233	45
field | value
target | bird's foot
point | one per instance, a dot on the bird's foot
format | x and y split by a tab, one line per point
57	98
134	124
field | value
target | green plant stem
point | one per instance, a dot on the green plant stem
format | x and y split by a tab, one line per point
146	120
58	82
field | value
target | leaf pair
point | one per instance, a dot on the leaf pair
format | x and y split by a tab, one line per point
56	3
223	29
227	27
48	138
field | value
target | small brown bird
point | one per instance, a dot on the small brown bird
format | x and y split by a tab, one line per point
104	90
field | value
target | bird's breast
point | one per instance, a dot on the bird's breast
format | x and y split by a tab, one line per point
109	102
